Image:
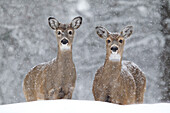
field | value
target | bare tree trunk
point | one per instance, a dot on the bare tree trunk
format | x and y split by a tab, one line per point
165	57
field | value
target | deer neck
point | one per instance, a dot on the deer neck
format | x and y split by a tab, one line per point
63	65
112	69
64	56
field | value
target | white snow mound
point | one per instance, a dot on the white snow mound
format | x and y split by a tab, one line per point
77	106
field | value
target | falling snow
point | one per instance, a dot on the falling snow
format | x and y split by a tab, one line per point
27	40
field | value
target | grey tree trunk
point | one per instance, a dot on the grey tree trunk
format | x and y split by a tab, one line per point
165	57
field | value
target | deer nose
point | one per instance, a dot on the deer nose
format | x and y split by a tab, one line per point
64	41
114	48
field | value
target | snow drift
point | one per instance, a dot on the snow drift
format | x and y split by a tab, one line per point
77	106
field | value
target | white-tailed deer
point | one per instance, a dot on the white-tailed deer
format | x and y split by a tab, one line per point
116	81
55	79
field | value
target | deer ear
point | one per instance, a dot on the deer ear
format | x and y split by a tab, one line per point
102	32
76	22
127	31
53	23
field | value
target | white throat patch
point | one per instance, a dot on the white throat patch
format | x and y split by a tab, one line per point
114	56
65	47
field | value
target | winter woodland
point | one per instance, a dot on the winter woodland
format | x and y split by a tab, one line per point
27	40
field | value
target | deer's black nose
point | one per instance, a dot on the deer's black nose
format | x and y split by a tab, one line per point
114	48
64	41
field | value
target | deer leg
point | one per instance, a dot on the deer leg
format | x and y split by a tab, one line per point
29	91
30	94
140	89
68	96
103	97
69	92
107	98
140	93
56	93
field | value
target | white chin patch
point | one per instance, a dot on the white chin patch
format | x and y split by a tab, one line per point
65	47
114	56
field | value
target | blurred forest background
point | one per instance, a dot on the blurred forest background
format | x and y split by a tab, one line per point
26	40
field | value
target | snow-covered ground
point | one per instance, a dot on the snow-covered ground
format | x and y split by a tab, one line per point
77	106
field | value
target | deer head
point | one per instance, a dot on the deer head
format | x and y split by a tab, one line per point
65	32
114	42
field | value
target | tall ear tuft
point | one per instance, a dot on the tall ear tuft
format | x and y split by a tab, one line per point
127	31
102	32
53	23
76	22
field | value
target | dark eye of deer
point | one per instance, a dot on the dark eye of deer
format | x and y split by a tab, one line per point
120	41
70	33
59	32
108	41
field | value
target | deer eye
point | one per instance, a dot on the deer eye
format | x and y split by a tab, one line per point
120	40
70	32
59	32
108	41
